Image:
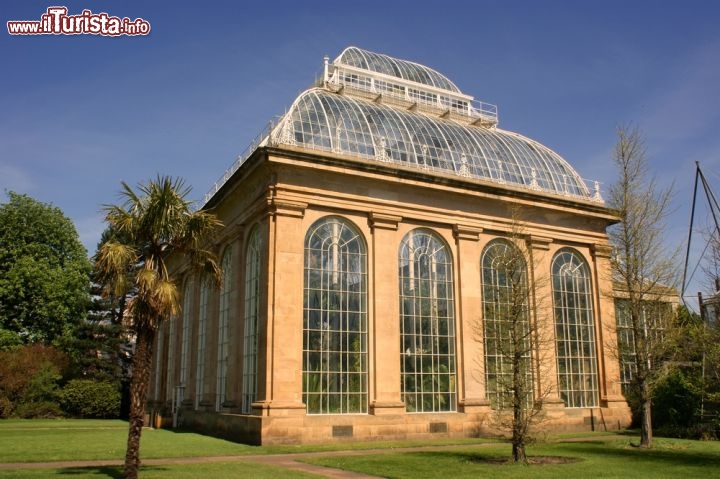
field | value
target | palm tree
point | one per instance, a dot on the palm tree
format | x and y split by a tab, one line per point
154	226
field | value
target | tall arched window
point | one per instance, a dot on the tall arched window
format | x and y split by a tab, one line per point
202	341
185	340
252	310
506	324
427	323
224	329
574	329
335	319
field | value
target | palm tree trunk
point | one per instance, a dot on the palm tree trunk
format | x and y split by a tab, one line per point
141	365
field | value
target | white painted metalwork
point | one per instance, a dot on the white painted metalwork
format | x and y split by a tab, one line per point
574	329
202	341
224	331
391	79
252	311
506	323
376	107
335	363
427	319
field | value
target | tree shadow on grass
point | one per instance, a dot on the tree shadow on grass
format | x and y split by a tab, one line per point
102	471
670	455
494	459
113	472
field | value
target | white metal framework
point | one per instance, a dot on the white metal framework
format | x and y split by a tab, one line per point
427	330
322	120
335	319
393	67
506	323
412	84
252	311
574	329
223	330
380	108
202	341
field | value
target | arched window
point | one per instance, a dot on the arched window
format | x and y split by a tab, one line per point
335	319
170	383
506	324
427	323
574	329
185	340
252	310
224	329
202	341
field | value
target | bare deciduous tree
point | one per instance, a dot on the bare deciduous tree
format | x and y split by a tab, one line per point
643	269
512	338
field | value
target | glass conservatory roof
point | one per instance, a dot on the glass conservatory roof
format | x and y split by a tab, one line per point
375	107
379	63
320	119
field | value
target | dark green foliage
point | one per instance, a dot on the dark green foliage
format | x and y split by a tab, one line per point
9	340
44	271
676	403
86	398
98	347
29	378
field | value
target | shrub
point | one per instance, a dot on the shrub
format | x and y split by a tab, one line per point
29	377
38	410
676	404
86	398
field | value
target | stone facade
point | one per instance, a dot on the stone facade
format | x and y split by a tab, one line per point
282	192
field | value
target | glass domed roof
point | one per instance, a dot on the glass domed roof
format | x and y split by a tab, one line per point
320	119
379	63
375	107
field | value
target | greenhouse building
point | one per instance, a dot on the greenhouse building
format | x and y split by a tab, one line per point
362	250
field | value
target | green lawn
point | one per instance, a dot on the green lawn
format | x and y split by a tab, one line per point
76	440
594	456
235	470
604	457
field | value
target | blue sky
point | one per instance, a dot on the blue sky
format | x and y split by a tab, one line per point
78	114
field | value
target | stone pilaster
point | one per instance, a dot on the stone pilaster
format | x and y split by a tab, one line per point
385	330
540	270
608	363
283	342
470	354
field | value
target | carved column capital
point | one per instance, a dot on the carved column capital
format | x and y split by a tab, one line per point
469	233
383	221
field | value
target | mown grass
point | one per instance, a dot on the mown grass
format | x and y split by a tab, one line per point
86	440
28	441
235	470
591	455
604	457
80	440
